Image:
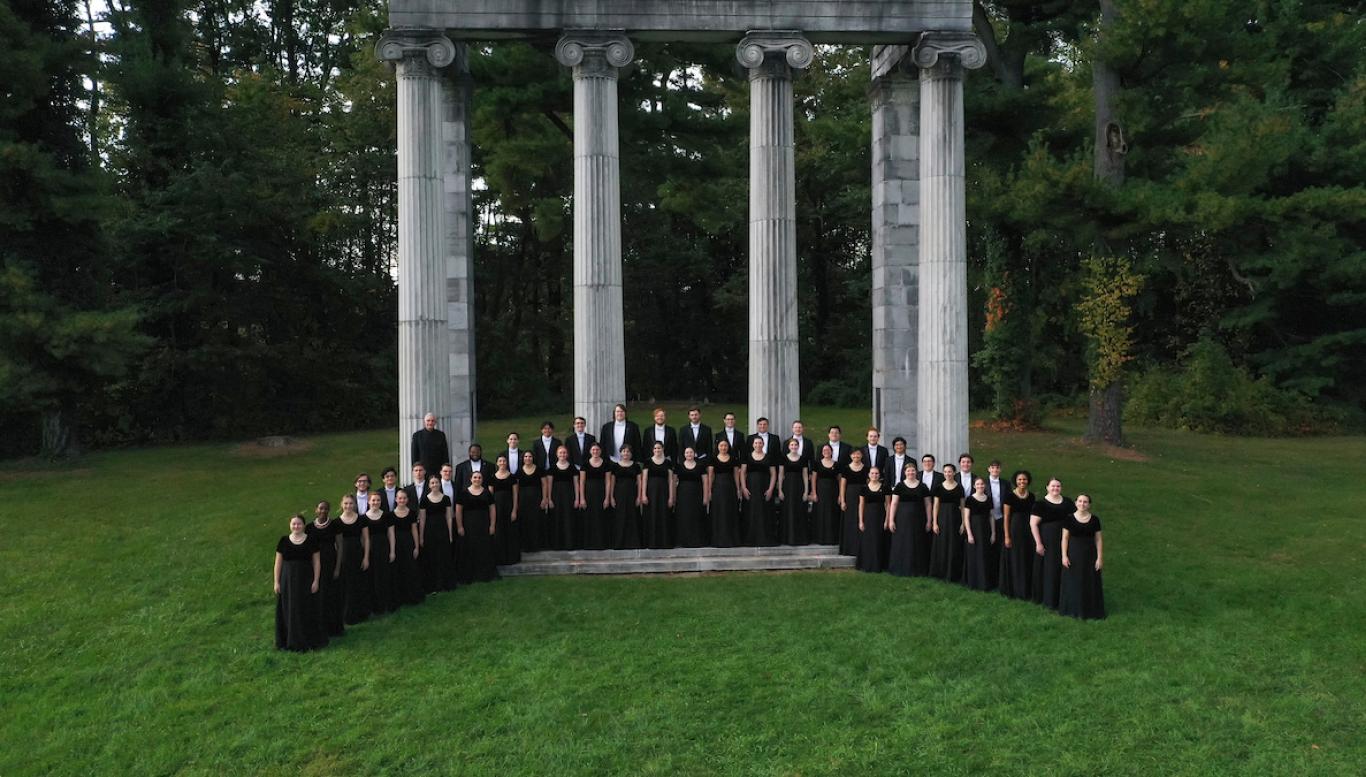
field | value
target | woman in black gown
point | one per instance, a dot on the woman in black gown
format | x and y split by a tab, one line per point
909	522
1017	555
323	530
980	535
660	493
872	519
565	499
1082	556
825	498
507	546
381	572
530	504
852	480
1045	523
723	488
626	483
353	560
758	482
690	502
793	497
946	549
436	527
407	577
476	521
596	502
297	569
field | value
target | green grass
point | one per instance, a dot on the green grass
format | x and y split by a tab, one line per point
136	636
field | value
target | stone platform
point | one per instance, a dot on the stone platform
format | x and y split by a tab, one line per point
673	560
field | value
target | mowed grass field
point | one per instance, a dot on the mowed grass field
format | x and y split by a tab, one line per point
136	635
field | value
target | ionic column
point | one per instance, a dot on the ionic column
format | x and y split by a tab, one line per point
895	101
942	382
599	342
423	349
770	57
458	246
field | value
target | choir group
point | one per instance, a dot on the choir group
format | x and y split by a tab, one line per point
661	487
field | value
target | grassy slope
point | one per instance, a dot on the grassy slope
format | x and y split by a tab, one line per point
136	637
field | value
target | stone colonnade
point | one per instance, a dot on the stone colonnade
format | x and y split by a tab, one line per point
919	252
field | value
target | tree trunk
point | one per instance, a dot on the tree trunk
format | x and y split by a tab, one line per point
1103	423
59	434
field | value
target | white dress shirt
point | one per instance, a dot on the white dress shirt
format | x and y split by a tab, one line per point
549	452
994	491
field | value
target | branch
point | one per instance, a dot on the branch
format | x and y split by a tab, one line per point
558	122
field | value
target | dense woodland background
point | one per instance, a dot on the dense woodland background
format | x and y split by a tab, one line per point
197	208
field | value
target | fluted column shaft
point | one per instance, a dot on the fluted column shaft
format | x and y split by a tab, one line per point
458	209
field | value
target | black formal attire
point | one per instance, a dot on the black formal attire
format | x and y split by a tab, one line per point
773	449
975	556
825	517
431	449
563	514
699	440
530	516
595	523
757	507
408	587
910	551
331	612
854	480
725	503
840	456
579	449
354	585
934	479
652	434
870	538
1017	561
876	457
381	570
436	558
544	452
654	516
478	561
1048	567
690	515
625	512
415	494
739	444
894	467
792	529
464	471
806	450
1082	595
946	549
297	623
388	501
514	458
507	545
607	437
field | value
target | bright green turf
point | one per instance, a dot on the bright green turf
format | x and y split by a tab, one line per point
136	637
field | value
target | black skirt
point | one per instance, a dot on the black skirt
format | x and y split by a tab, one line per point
435	559
793	518
594	514
654	517
910	551
1017	561
1082	595
478	556
946	549
976	553
407	575
297	623
725	511
530	517
690	515
625	514
381	574
757	509
331	603
354	584
507	543
994	555
825	517
849	533
870	538
1048	567
563	516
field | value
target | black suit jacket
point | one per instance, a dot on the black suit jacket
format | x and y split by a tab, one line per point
841	458
513	464
701	444
882	457
538	448
647	439
630	436
431	448
415	493
909	458
390	504
465	469
938	479
578	455
737	446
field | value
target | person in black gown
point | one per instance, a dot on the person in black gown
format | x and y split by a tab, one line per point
1082	556
531	499
908	520
476	522
980	535
690	501
793	497
946	549
1017	553
507	548
331	610
565	499
1045	523
724	492
852	479
825	497
660	493
297	569
381	572
872	519
436	527
758	482
354	560
596	501
408	587
626	484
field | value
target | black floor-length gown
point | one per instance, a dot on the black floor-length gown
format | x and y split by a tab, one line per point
1017	561
1082	594
436	558
874	516
564	516
910	551
381	572
975	553
625	512
690	515
507	544
725	503
478	556
792	514
530	516
408	587
854	481
825	514
1048	567
757	507
331	605
297	623
946	549
654	516
596	526
354	584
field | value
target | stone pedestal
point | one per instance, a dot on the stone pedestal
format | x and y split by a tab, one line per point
774	385
599	341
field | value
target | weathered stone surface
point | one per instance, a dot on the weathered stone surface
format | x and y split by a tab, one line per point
458	207
678	560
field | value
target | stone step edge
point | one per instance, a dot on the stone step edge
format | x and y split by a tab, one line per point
705	552
665	566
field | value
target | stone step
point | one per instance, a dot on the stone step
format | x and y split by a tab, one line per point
601	563
655	553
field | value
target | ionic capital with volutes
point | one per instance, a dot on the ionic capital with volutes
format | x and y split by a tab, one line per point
594	52
420	52
774	52
941	54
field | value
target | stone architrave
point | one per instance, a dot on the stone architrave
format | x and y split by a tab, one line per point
895	101
599	339
942	382
771	57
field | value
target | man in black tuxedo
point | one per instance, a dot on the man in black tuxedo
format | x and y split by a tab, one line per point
579	442
804	447
389	492
695	435
930	476
430	446
965	473
900	458
475	463
773	448
659	432
875	455
733	437
839	449
362	492
418	487
618	432
448	482
545	446
514	452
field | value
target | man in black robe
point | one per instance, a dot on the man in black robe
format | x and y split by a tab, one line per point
430	446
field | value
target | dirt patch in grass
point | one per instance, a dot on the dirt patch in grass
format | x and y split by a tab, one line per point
1109	451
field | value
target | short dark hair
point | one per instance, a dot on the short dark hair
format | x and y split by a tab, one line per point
476	446
514	434
929	456
995	463
694	407
727	414
896	440
967	456
760	420
834	428
1017	473
578	418
549	423
386	471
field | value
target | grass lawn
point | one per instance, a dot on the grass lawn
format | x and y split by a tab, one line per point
136	636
